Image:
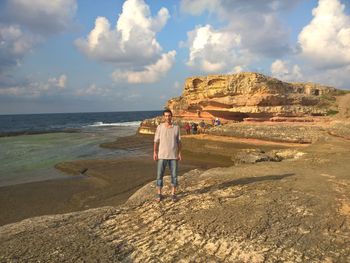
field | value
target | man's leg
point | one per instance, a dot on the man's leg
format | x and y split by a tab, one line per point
173	169
161	164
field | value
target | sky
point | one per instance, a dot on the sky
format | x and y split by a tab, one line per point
111	55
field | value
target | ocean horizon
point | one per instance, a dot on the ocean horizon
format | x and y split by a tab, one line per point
33	123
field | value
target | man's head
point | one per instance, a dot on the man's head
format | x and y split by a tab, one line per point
167	114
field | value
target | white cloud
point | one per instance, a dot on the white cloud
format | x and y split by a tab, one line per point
279	67
59	82
42	16
251	31
197	7
325	41
34	89
334	77
93	90
238	69
132	41
213	50
339	78
150	74
136	16
12	91
225	8
15	40
14	45
25	24
284	71
131	44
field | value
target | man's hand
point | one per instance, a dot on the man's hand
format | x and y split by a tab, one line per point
155	151
179	157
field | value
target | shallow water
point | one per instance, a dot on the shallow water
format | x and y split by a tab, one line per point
28	158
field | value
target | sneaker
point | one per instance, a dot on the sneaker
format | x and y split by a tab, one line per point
174	198
159	197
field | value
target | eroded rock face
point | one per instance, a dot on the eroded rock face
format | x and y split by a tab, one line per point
250	97
149	126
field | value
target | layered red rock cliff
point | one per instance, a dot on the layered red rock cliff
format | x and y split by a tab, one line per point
249	96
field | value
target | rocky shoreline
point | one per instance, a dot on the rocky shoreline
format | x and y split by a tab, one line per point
285	200
296	210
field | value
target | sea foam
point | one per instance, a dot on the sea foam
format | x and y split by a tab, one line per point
102	124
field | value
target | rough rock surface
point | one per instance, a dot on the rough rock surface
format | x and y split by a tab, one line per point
251	97
258	155
297	210
149	126
292	133
291	211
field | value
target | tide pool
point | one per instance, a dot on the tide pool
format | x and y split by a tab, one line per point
28	158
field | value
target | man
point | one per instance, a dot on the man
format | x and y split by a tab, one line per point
167	151
194	127
202	127
188	128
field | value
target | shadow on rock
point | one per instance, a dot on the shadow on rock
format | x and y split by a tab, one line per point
241	181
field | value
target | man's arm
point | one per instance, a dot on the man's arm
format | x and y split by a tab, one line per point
155	151
179	145
156	143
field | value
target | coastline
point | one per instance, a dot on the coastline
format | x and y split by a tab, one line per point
295	210
280	194
112	181
106	182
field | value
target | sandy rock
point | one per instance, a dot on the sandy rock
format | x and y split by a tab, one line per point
254	156
340	128
293	211
287	154
149	126
271	132
251	96
257	155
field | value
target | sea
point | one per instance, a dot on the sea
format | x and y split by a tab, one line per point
31	144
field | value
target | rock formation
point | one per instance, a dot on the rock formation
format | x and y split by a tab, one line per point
251	97
149	126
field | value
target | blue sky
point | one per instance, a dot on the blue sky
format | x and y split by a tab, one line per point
87	56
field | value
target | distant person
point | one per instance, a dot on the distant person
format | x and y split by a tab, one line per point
202	126
217	122
167	152
194	127
188	128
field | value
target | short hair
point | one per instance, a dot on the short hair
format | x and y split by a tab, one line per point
167	110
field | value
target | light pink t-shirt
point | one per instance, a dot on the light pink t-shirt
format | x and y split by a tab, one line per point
168	139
